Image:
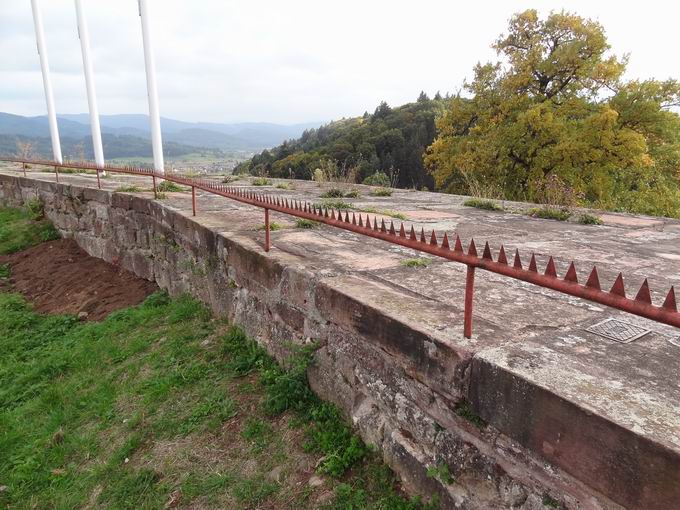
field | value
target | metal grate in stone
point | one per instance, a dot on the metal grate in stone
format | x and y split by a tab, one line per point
618	330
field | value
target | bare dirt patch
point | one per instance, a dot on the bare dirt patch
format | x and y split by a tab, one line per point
59	277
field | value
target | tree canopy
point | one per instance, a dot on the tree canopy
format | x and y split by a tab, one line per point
390	141
557	108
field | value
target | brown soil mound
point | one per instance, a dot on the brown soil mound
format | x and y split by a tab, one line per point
59	277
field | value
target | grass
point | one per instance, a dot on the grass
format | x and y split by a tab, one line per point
441	472
384	212
550	213
284	185
22	228
261	181
227	179
5	271
464	410
381	192
480	203
589	219
161	405
168	187
273	226
334	204
338	193
416	262
129	189
161	196
304	223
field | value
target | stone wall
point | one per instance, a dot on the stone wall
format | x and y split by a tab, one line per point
403	388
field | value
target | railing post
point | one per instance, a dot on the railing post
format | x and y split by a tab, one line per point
266	229
193	200
56	172
24	165
155	191
99	184
469	291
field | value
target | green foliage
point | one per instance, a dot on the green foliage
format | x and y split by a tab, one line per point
261	181
333	193
168	187
589	219
550	213
228	179
5	271
303	223
161	196
36	209
334	204
384	212
19	230
480	203
441	472
416	262
374	489
381	192
556	116
283	185
550	502
387	145
273	226
377	179
464	410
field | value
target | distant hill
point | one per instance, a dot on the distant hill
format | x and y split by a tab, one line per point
390	141
228	137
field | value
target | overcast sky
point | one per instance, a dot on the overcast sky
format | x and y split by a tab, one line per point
290	61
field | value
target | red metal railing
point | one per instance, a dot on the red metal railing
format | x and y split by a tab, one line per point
438	245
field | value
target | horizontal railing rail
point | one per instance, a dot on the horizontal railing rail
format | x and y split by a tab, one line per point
449	248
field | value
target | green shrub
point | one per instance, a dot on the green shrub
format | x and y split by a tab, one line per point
352	194
480	203
589	219
304	223
377	179
261	181
550	213
36	208
381	192
333	204
333	193
416	262
5	271
168	187
273	226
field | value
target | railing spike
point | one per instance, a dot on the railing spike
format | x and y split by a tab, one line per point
458	246
383	229
669	303
413	234
332	214
445	242
618	288
643	294
486	254
433	239
361	221
571	275
594	280
502	258
392	231
518	261
472	249
346	216
402	232
422	235
375	223
532	264
550	269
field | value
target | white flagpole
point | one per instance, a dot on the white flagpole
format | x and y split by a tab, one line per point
152	89
47	83
84	34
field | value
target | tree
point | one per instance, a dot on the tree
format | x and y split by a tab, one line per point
555	106
25	149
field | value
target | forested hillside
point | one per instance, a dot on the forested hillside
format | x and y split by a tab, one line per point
389	141
553	121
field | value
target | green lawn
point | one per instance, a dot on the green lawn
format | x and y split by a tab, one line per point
163	404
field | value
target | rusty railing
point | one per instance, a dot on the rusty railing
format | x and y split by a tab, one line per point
443	246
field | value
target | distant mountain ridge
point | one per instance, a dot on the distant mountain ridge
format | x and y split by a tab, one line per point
244	136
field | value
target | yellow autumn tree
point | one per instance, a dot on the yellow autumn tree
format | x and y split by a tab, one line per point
556	107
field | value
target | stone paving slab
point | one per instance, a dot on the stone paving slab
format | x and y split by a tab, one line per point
606	412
